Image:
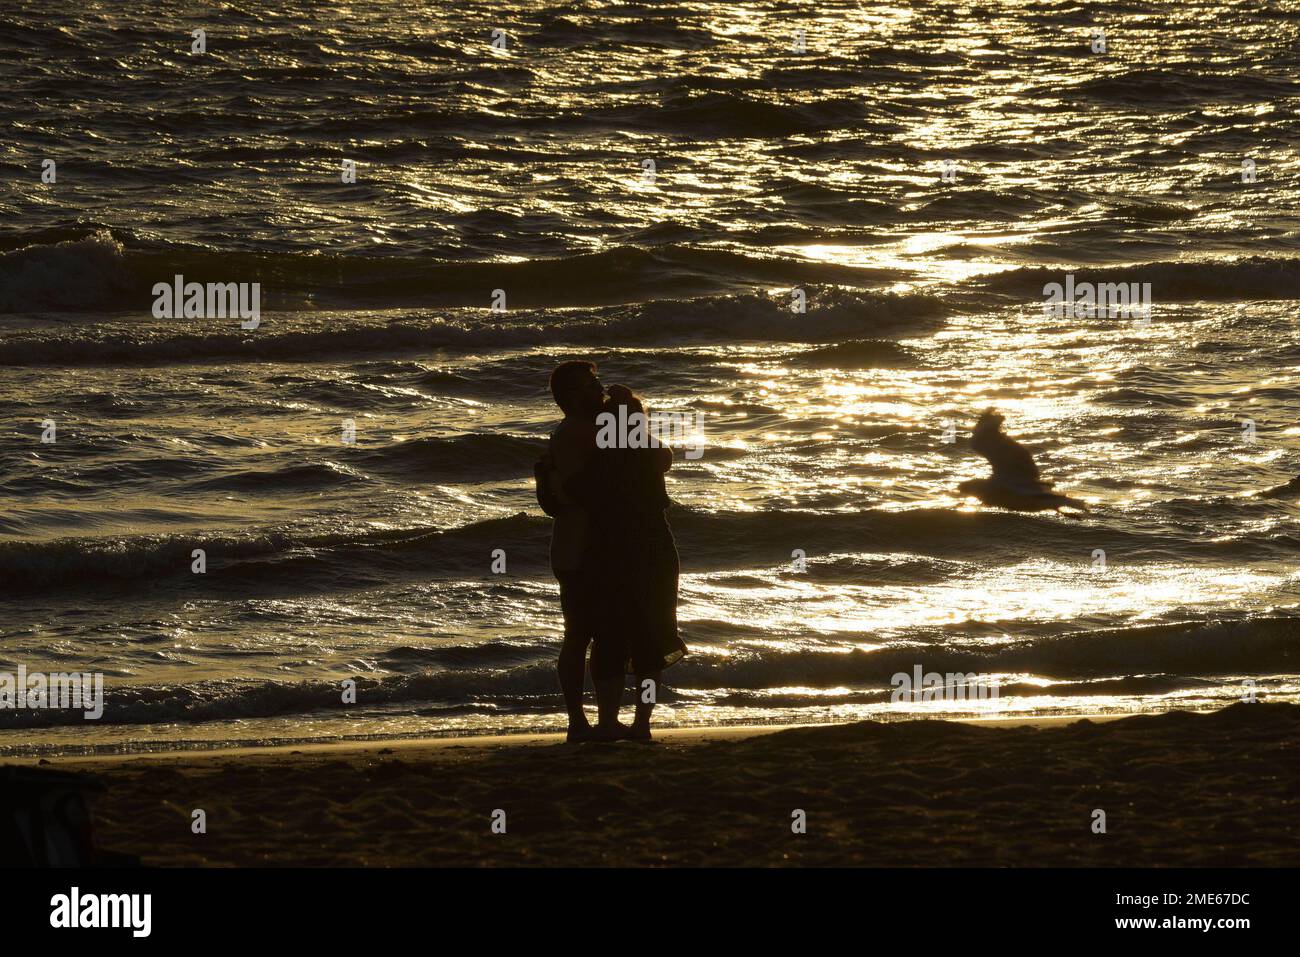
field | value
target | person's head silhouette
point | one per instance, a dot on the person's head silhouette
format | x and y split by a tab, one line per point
576	388
622	395
990	420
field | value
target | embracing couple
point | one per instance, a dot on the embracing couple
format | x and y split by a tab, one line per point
613	553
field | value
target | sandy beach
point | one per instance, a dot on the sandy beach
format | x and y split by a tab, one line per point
1191	789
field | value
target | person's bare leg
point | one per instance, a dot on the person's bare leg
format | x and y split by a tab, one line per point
572	669
609	698
646	694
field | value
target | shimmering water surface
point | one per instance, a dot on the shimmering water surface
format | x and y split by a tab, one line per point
524	170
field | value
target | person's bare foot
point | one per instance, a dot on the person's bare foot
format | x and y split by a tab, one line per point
604	732
578	733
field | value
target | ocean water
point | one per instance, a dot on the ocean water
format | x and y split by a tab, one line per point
837	434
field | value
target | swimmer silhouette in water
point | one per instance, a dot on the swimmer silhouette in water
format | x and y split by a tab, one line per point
1015	483
1290	490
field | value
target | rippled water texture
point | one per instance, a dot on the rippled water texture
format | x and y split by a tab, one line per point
652	187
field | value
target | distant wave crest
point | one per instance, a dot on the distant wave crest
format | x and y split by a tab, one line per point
1252	277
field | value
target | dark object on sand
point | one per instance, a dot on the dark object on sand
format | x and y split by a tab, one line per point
1015	483
45	821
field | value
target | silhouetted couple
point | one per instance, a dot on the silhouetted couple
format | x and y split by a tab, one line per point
613	553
